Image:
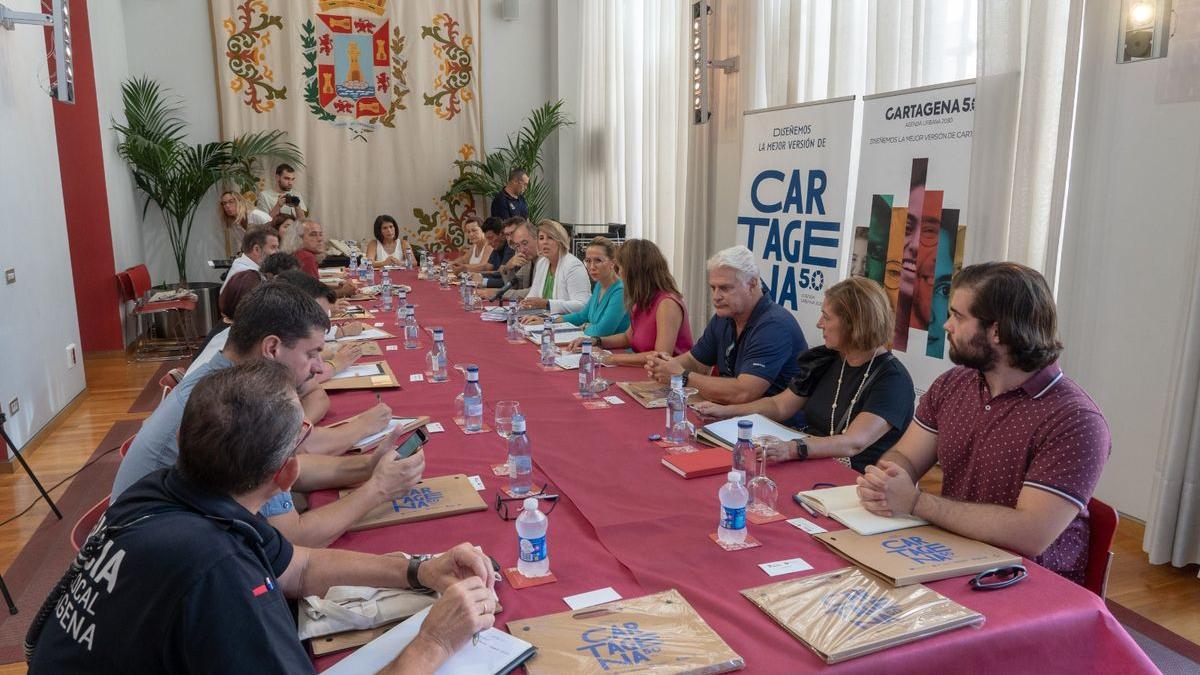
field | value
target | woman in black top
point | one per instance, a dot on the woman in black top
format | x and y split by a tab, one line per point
857	398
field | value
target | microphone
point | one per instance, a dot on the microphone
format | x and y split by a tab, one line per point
503	289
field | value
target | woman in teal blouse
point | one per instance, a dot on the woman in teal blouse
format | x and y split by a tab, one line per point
604	313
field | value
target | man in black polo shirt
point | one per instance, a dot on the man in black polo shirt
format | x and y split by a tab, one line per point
753	342
509	202
180	576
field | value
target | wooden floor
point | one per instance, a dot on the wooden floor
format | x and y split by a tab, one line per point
1166	595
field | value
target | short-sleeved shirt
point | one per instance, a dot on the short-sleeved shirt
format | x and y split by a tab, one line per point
888	394
268	198
186	581
500	256
156	445
1046	434
506	206
768	346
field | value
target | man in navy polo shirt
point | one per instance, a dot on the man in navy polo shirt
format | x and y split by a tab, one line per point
180	576
509	202
1021	445
752	341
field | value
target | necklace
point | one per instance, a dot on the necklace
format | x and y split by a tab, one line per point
854	399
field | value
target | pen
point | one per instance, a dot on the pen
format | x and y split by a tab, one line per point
806	507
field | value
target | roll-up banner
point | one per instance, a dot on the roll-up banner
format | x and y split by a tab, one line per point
913	171
793	200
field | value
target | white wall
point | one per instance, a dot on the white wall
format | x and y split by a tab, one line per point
37	314
1129	250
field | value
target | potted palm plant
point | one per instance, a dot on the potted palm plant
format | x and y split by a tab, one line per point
176	176
523	150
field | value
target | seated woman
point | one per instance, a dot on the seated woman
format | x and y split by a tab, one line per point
857	398
475	258
385	248
560	282
237	217
657	315
604	312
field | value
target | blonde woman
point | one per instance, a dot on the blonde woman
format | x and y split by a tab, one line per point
560	281
237	216
856	397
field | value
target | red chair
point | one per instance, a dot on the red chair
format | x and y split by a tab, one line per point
125	446
134	285
173	377
86	523
1103	521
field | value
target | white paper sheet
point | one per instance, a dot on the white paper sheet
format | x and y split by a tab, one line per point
368	441
360	370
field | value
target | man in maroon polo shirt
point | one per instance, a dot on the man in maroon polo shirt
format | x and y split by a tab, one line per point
1021	445
312	242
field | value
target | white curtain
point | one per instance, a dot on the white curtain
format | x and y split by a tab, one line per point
631	134
1028	67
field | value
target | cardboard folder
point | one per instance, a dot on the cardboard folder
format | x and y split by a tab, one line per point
917	554
431	498
847	613
384	380
650	394
657	634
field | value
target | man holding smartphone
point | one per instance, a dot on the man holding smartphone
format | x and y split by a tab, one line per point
284	197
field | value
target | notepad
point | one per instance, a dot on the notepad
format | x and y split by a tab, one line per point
368	441
725	432
561	337
360	370
568	361
367	334
495	652
841	504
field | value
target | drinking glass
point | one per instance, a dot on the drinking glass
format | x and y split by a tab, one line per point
763	492
504	415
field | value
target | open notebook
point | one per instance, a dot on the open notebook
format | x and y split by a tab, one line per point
725	432
841	504
496	652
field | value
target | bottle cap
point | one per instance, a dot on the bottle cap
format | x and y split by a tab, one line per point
745	424
530	504
734	476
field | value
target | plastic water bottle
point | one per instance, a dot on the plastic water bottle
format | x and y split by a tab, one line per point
745	458
473	401
362	270
444	277
676	408
534	559
469	305
437	357
385	280
354	263
412	339
587	370
410	261
462	287
514	328
401	297
733	496
386	291
548	343
520	458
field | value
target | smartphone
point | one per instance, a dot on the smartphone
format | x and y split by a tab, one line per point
411	444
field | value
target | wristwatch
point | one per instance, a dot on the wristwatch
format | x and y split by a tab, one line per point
414	565
801	449
684	376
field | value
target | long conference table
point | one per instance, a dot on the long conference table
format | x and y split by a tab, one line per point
628	522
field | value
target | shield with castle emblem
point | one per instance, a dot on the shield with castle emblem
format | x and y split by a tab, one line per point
355	74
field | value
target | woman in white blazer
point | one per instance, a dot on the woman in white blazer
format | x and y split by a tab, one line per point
560	281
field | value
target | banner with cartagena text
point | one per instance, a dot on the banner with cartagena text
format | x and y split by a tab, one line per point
793	198
913	171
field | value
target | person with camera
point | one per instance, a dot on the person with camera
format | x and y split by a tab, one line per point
284	197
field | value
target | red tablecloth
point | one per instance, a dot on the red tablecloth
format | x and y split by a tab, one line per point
628	522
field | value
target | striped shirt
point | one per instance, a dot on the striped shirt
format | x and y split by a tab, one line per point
1046	434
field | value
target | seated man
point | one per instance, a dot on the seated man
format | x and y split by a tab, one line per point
181	576
312	248
1021	445
258	243
752	341
501	252
517	273
278	322
278	263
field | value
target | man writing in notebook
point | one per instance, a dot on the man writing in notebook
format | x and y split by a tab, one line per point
1021	445
181	576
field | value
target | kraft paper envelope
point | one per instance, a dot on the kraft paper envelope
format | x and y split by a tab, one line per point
917	554
431	498
650	394
657	634
848	613
381	377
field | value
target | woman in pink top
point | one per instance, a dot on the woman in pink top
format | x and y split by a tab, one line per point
658	317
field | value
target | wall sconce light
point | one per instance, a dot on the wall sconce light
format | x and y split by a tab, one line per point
1145	29
700	64
60	64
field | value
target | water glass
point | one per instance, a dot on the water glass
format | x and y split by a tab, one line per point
504	416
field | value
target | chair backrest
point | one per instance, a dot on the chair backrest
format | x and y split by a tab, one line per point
83	527
1102	520
125	446
172	378
125	286
140	276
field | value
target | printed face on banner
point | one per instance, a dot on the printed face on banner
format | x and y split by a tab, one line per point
912	186
792	206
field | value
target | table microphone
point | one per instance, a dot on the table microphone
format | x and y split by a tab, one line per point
500	293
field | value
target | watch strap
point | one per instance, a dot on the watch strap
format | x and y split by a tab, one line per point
414	566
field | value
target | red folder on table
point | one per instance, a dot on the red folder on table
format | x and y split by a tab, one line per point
703	462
